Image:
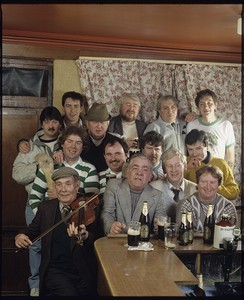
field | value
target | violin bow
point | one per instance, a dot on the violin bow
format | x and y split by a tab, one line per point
67	217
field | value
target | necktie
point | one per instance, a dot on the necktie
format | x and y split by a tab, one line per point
173	125
65	211
176	196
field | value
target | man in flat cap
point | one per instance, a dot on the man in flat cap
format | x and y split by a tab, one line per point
67	268
97	122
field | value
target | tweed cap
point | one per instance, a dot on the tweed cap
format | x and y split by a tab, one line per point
65	172
98	113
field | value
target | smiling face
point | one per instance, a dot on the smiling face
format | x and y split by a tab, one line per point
66	189
207	107
139	173
168	111
174	170
115	157
207	186
72	110
129	110
72	148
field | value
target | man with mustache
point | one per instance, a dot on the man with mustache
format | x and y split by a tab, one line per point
126	123
123	198
151	145
24	172
115	153
74	107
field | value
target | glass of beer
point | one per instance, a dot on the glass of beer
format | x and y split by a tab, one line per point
133	233
162	220
170	235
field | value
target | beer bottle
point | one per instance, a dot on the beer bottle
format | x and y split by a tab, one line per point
189	225
208	226
183	231
145	223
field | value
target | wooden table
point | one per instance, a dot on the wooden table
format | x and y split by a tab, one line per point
139	273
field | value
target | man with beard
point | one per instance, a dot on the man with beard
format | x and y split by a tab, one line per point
24	172
115	153
151	145
126	123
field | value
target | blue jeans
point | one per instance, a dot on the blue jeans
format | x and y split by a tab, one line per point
34	252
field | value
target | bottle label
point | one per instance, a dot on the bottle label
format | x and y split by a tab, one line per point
207	233
144	231
144	210
190	234
185	237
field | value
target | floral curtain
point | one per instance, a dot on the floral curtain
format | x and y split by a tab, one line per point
104	81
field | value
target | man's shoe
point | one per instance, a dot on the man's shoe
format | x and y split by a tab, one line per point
34	292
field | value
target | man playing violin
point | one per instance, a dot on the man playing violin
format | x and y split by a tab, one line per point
67	268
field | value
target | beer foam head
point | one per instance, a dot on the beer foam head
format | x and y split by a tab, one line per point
132	231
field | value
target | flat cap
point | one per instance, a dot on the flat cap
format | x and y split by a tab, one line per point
65	172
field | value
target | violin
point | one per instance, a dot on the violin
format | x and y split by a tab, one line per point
83	212
87	213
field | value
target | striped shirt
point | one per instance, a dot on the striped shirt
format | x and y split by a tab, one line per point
103	179
89	182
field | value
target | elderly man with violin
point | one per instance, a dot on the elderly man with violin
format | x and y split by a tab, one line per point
67	257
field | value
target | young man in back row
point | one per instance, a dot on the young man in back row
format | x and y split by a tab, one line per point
74	108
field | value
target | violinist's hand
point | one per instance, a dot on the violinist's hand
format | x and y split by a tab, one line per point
58	157
51	193
22	241
194	162
24	147
117	227
79	232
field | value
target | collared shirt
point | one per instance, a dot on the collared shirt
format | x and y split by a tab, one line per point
173	138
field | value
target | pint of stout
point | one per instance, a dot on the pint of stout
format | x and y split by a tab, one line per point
133	233
161	232
162	220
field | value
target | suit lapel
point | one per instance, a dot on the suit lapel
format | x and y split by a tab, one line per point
124	199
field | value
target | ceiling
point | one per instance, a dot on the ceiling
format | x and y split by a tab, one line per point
139	27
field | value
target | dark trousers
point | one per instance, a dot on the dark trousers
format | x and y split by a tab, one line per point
61	283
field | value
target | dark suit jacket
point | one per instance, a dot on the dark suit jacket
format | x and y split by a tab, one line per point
45	219
115	126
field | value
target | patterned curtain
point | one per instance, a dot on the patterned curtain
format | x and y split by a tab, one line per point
104	81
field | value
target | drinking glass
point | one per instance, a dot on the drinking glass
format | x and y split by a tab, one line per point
170	235
133	233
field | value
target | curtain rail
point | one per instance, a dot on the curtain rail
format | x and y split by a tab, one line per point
162	61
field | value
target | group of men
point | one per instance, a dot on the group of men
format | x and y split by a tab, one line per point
86	152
